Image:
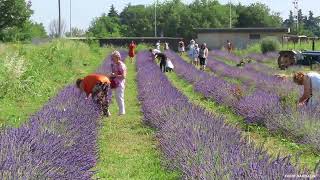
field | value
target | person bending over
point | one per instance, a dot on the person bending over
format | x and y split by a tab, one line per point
311	84
163	61
96	86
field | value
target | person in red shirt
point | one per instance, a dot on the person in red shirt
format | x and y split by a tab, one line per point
97	87
132	48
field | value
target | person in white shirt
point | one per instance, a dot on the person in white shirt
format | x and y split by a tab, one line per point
154	53
181	48
166	46
158	45
169	65
311	84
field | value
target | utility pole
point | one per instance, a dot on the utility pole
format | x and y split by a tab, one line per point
296	13
70	19
230	15
59	19
155	18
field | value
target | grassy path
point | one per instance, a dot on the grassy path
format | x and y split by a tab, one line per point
260	136
127	147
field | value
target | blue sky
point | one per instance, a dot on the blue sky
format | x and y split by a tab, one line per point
83	11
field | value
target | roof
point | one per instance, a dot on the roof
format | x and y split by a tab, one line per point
242	30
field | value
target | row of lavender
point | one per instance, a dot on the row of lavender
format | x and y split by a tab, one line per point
258	57
59	142
260	107
198	143
249	77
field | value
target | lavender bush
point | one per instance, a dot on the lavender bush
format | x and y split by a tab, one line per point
197	143
260	80
264	57
226	55
300	124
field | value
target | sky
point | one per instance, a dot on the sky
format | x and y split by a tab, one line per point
84	11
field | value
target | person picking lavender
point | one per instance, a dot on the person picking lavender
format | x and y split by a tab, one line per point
311	84
96	86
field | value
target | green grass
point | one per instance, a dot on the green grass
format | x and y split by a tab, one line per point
128	149
260	136
30	75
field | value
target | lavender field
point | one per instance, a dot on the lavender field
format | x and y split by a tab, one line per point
159	90
196	142
63	140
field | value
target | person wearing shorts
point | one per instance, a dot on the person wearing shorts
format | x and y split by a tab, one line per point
203	55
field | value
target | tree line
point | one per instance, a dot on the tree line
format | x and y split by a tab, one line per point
306	25
174	19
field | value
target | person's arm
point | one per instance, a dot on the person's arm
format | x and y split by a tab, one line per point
306	92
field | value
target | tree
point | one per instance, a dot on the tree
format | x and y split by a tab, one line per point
54	28
311	23
14	13
177	19
257	15
301	17
137	20
289	22
28	31
104	26
113	12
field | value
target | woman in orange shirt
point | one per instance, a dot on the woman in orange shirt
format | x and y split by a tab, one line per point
97	87
132	48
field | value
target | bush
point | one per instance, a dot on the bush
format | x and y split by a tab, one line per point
269	44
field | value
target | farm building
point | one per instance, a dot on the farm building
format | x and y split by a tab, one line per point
240	37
